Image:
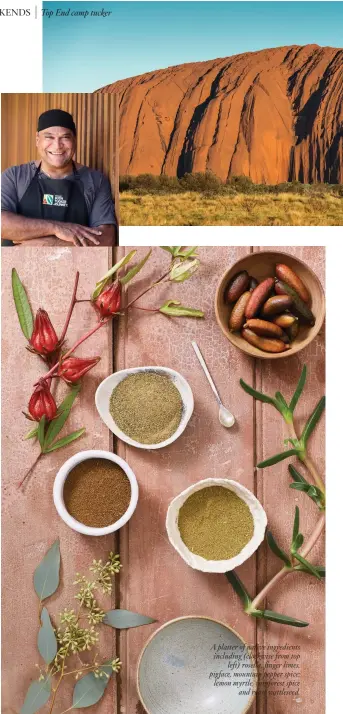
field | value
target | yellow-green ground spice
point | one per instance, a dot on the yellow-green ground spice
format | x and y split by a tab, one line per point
147	407
97	492
215	523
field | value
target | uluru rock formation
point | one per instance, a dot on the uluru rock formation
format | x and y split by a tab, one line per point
274	115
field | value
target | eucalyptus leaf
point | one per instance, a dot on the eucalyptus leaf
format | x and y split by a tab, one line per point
305	563
239	588
283	619
278	457
47	643
46	575
22	305
102	282
38	694
31	434
175	309
89	689
279	552
65	440
299	389
312	421
123	619
136	268
40	431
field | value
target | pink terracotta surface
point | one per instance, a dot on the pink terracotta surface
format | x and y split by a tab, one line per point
154	579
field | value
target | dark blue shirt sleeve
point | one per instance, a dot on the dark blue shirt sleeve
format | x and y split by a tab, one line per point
102	211
9	195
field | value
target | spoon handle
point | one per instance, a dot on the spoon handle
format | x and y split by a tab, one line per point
205	368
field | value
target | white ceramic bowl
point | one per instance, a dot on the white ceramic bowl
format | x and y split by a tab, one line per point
59	486
105	389
178	669
216	566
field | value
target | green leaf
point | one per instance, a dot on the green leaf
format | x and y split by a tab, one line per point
46	576
40	431
190	253
296	476
239	588
283	619
168	248
312	421
258	395
299	389
65	440
279	552
31	434
123	619
89	689
319	568
296	524
47	643
183	270
38	694
70	398
305	563
22	305
99	286
312	491
136	268
278	457
279	398
297	543
57	424
175	309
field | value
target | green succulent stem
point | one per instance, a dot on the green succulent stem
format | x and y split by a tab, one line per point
306	460
286	569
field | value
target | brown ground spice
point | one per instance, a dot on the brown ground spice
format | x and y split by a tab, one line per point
215	523
97	492
147	407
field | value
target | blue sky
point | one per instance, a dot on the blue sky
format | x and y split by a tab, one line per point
81	54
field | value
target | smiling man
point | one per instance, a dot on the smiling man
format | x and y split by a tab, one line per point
54	201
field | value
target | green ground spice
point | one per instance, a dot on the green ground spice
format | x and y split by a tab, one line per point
97	492
215	523
147	407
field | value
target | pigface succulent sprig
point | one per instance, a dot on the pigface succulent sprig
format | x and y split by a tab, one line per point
109	301
296	559
62	645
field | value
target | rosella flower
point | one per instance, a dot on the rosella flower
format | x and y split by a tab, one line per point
43	339
108	302
42	403
73	368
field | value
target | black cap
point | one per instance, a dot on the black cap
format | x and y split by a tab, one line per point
56	117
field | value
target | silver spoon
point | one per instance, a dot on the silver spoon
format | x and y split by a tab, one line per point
225	417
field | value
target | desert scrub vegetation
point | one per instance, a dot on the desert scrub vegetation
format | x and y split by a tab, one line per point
193	208
203	199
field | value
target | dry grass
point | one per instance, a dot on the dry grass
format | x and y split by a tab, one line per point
195	209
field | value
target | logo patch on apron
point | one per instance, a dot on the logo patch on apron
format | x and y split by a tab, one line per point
50	199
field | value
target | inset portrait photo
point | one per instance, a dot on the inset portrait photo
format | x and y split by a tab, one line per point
60	172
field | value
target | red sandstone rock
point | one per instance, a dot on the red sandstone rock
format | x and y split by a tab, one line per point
274	115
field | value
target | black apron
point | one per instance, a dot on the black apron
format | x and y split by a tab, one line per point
55	199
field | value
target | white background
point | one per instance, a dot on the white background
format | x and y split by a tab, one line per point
21	71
